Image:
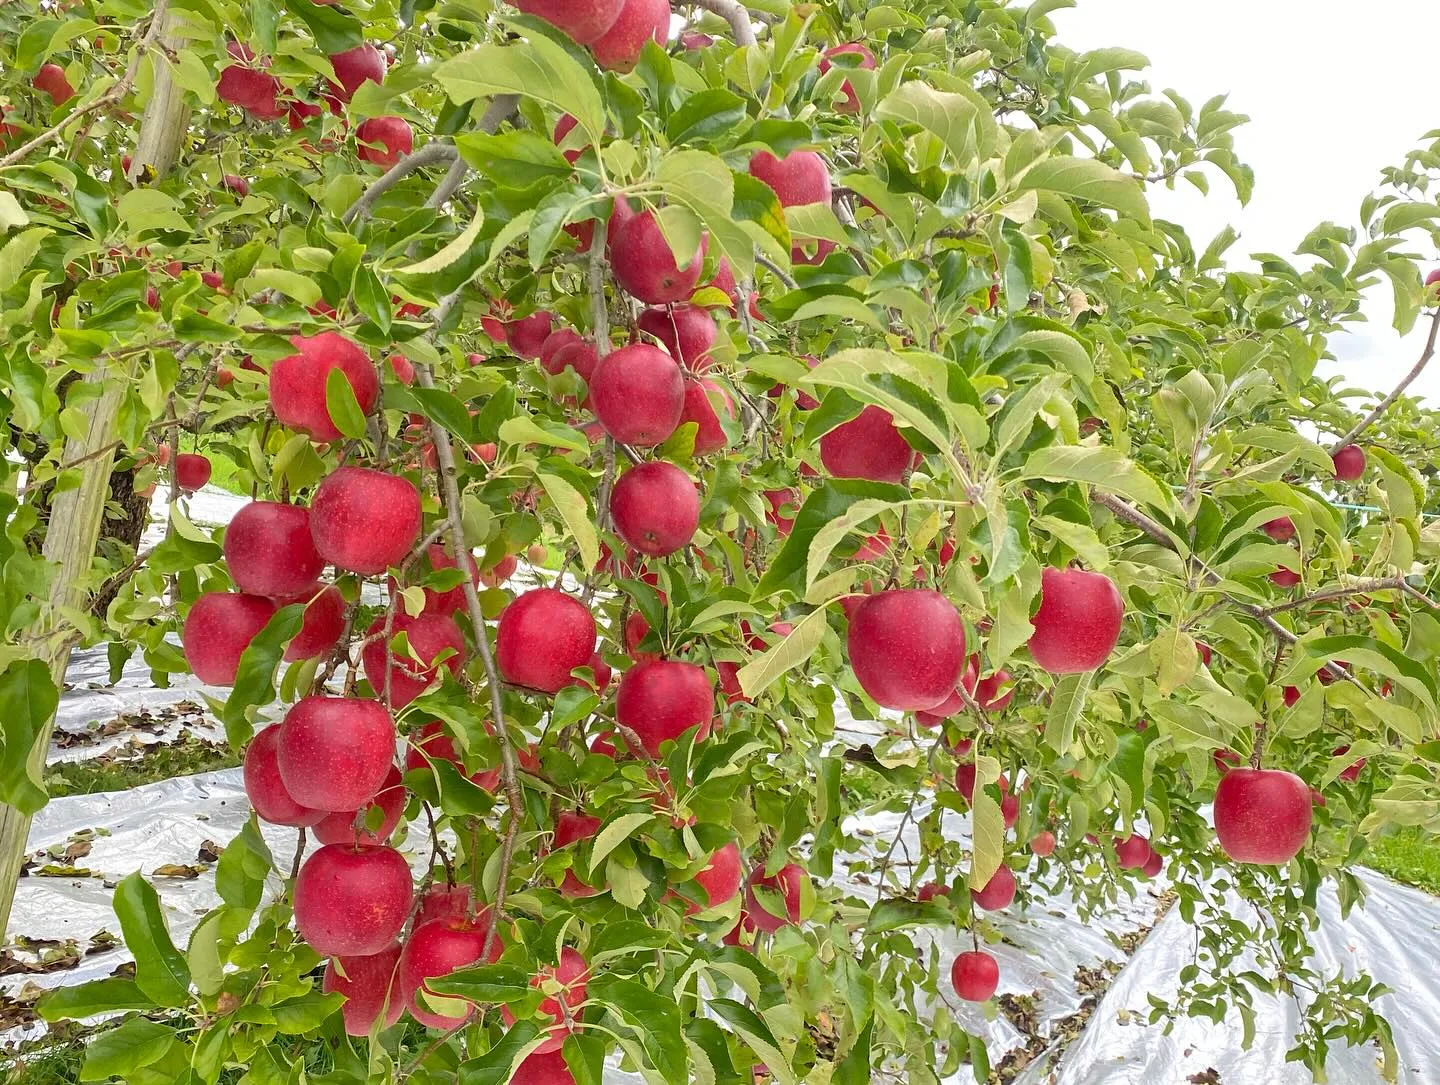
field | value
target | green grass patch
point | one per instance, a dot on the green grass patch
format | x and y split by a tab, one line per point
1408	857
183	757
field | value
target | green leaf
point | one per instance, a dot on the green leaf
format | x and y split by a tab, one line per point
960	119
1176	659
524	429
575	511
202	955
516	159
160	969
756	676
28	699
613	834
342	406
834	533
537	68
255	677
987	825
1066	704
334	29
305	1013
108	995
486	983
705	117
756	1033
893	914
452	253
1099	465
119	1052
654	1018
290	283
1090	180
244	865
497	1065
1366	654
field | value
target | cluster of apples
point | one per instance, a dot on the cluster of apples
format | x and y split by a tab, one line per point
246	82
615	31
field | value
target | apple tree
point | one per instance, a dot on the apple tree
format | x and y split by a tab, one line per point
630	399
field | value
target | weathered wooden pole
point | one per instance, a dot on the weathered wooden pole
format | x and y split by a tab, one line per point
76	513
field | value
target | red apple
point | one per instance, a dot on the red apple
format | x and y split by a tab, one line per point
543	636
1285	578
1291	695
451	600
352	899
656	508
236	184
429	636
322	624
639	21
569	973
975	976
801	177
438	948
335	752
52	80
867	61
1350	773
527	337
1349	463
645	266
996	692
720	880
266	790
368	984
192	471
353	67
1262	815
219	627
1281	530
1133	852
298	382
907	648
688	332
700	398
383	141
543	1068
1153	865
365	520
999	891
1078	622
662	699
787	881
571	826
348	827
442	902
554	343
868	446
251	88
1043	844
583	20
269	551
638	394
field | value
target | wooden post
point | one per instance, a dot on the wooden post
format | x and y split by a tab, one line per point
76	514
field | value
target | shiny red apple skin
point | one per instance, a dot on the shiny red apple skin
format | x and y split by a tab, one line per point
430	636
352	900
907	648
218	629
543	636
662	699
655	507
975	975
786	881
364	520
869	446
1262	816
298	382
266	790
368	984
269	550
1078	623
335	752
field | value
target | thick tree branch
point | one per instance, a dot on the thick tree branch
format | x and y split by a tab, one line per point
733	12
1409	378
431	154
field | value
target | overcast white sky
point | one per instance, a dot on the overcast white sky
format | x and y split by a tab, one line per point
1335	91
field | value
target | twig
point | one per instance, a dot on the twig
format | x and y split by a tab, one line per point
732	12
776	270
431	154
299	854
509	768
1418	596
1409	378
1364	587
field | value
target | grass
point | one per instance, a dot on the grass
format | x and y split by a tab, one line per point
1407	857
51	1065
184	757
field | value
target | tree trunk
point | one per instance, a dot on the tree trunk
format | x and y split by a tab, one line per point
77	513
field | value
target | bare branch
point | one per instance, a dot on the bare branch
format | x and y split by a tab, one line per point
733	12
774	269
432	154
1362	587
1409	378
